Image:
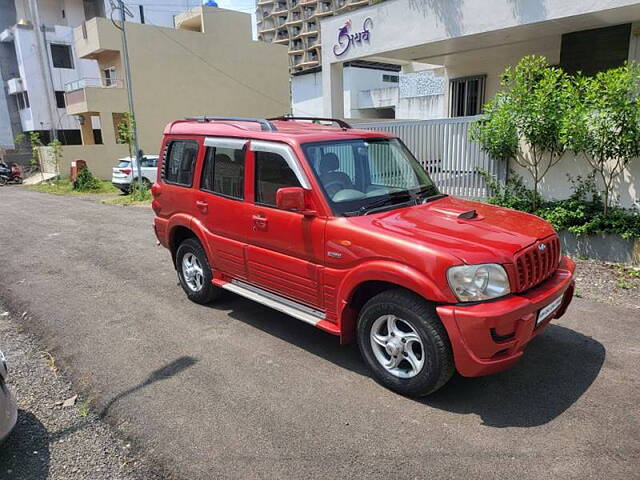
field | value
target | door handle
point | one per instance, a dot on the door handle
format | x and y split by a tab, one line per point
202	205
260	221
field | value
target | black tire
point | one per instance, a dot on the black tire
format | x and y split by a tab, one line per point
420	315
208	292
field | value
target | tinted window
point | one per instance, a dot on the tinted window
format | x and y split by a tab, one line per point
149	162
272	173
61	56
180	162
223	172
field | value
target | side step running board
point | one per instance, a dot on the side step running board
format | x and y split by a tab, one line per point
275	301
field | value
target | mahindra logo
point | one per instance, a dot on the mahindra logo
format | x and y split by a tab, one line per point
542	247
346	39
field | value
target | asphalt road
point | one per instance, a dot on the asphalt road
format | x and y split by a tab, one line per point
239	391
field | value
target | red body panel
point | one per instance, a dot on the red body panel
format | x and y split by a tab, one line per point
321	260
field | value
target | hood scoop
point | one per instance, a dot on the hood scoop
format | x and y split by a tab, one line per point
470	215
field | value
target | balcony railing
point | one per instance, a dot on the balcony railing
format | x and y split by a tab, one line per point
94	83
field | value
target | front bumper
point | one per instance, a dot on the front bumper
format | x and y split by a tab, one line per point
491	336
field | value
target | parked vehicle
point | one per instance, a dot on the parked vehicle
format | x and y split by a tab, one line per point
10	174
126	172
343	229
8	410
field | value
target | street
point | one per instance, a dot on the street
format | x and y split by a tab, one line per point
236	390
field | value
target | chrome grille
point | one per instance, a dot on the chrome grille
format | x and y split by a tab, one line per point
535	264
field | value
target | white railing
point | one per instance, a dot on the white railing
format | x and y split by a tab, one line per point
444	149
93	83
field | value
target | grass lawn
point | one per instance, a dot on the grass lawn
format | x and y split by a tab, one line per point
65	187
127	200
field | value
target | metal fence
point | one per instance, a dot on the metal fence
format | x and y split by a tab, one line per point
443	147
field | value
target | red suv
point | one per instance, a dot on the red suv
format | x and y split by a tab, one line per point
344	229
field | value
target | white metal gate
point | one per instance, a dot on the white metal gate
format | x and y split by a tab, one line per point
443	147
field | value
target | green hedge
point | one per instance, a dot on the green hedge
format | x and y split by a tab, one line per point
580	214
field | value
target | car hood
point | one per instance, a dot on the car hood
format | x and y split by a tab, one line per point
493	235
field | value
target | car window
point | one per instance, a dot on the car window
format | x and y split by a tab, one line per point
271	173
149	162
223	172
180	161
124	163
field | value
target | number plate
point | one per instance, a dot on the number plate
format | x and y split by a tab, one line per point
545	312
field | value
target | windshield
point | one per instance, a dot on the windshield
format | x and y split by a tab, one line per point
369	174
124	164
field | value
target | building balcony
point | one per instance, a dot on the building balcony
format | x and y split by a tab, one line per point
15	86
96	36
89	95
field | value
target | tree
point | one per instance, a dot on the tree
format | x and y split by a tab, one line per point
126	131
604	123
523	121
56	153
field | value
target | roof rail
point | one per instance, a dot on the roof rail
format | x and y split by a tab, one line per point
341	123
265	124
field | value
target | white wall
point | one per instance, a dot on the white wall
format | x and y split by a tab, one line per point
33	78
306	94
306	90
6	133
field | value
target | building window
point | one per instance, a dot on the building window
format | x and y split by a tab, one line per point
109	76
467	95
223	172
22	100
60	99
179	162
390	78
593	51
61	56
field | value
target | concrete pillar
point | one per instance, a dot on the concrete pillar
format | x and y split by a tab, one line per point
108	128
86	130
333	90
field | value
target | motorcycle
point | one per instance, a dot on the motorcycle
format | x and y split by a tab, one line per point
10	174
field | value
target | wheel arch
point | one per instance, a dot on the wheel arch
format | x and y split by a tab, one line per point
181	231
366	282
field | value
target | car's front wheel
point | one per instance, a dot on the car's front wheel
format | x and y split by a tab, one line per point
195	273
404	343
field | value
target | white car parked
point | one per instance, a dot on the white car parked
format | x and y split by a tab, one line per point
126	172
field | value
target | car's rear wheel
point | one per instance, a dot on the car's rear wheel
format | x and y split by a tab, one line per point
404	343
195	273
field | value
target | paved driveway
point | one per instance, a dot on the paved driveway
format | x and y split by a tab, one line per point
238	391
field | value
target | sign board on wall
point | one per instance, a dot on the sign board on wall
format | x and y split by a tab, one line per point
347	39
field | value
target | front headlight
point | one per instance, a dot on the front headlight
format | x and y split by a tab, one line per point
471	283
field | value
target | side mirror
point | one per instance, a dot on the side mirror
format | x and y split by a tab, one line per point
292	199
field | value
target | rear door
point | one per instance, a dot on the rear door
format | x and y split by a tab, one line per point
178	175
223	212
285	248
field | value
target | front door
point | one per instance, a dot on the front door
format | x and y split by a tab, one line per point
285	248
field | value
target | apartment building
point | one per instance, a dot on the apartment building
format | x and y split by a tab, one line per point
38	61
460	50
207	65
296	25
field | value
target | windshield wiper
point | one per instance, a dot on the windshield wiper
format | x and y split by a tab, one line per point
388	202
428	194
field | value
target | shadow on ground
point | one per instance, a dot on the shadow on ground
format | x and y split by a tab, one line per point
25	453
556	370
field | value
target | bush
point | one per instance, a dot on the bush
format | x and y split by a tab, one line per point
86	182
581	214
